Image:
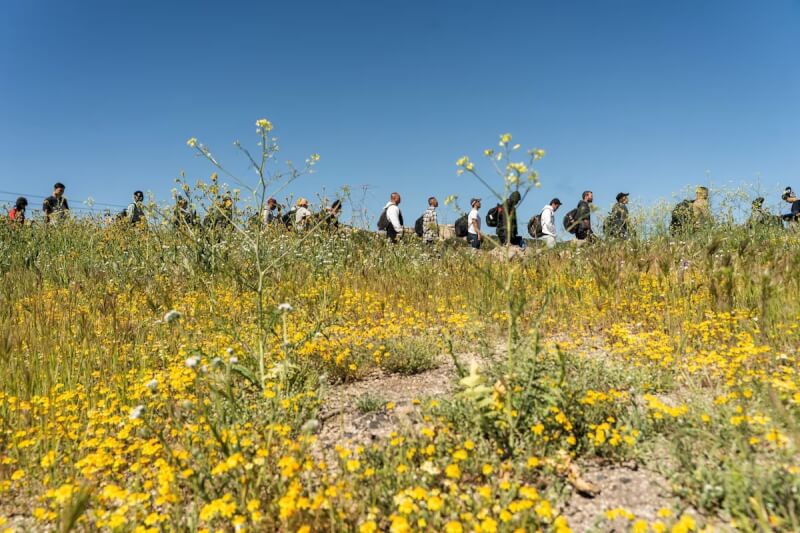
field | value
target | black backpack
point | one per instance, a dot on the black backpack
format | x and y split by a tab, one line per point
535	226
461	226
383	221
288	218
613	225
681	217
419	226
571	221
493	215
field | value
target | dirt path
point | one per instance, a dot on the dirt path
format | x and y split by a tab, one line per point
345	418
348	419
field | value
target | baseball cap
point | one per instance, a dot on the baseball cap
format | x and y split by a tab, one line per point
555	201
473	200
621	195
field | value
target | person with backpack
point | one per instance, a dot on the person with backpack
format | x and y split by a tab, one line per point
507	232
135	210
546	231
330	217
690	215
272	212
616	224
430	226
583	219
183	215
682	220
17	214
474	236
793	216
302	214
220	214
760	218
391	219
56	207
701	210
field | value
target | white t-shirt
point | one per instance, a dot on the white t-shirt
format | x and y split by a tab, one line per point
301	215
473	215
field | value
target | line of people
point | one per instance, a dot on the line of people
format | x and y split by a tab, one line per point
687	216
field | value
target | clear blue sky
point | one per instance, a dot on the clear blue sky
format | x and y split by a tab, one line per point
639	96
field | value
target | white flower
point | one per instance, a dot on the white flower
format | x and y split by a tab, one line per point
234	360
171	316
285	307
136	412
310	426
152	384
429	468
230	351
192	361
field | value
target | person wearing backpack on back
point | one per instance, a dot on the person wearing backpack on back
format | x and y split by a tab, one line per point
430	225
701	210
272	212
793	216
135	210
302	215
474	236
183	215
583	218
761	218
507	232
220	214
329	218
391	219
548	223
616	225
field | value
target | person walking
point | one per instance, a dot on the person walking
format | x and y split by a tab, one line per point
474	236
330	217
583	217
302	214
272	212
17	213
760	217
616	225
391	219
430	226
135	211
548	221
56	207
507	231
183	214
701	210
220	215
793	216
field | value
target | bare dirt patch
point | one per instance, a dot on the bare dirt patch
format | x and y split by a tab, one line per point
637	490
342	421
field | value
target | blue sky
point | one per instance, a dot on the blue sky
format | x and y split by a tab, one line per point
638	96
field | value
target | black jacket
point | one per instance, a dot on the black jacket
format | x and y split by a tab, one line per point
502	223
584	218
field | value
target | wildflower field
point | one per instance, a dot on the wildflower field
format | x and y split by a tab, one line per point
154	379
143	391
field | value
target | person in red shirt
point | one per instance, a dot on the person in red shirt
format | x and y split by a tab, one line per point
17	213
